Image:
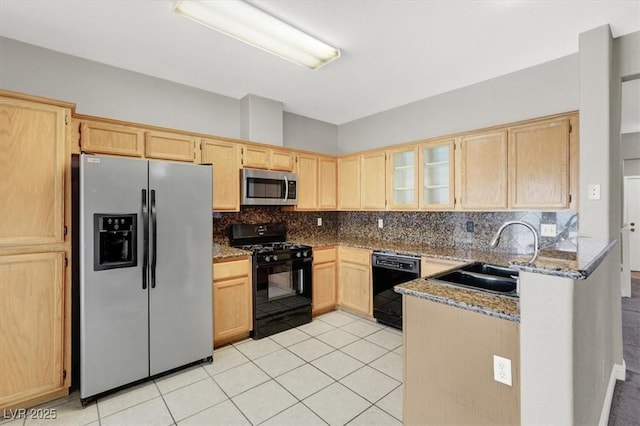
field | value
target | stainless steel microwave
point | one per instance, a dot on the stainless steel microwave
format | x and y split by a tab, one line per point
268	188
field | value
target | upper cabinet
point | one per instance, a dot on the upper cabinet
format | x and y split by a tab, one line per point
281	160
105	138
255	157
437	175
327	183
259	157
483	171
307	182
225	158
402	178
373	181
349	183
32	172
169	146
539	165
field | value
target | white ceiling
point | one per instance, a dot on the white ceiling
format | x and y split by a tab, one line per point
393	52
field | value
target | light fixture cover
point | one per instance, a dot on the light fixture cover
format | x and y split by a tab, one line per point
242	21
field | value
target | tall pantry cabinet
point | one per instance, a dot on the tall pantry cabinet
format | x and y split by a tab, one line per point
35	275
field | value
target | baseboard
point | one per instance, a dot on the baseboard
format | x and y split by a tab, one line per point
618	372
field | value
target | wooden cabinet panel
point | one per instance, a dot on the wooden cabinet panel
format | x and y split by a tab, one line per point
307	182
402	178
32	170
354	279
232	301
31	326
324	280
349	183
483	171
103	138
327	183
436	175
373	181
225	158
281	160
448	364
539	165
169	146
255	157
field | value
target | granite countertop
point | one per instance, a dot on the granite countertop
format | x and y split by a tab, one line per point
471	300
225	251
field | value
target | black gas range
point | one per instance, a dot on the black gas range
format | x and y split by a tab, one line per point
281	277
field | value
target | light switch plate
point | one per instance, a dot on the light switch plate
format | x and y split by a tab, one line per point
548	230
502	370
319	221
380	223
593	192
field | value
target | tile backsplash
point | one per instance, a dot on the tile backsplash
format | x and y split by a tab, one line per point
447	229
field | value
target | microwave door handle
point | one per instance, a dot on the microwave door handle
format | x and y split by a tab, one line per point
286	188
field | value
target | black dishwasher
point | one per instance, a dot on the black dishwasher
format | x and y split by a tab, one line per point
388	270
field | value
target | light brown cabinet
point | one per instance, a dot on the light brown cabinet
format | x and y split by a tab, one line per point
354	280
448	364
373	181
169	146
34	251
225	158
402	178
436	175
232	300
324	280
539	165
327	183
255	157
307	169
483	171
281	160
105	138
349	183
32	326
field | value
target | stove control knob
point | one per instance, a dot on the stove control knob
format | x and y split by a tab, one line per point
305	253
267	258
298	254
275	257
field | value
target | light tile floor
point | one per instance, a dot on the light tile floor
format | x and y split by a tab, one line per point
339	369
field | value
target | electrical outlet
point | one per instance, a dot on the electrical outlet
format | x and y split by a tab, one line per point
502	370
593	192
319	221
548	230
380	223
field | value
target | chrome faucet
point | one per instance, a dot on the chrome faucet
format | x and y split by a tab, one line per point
536	239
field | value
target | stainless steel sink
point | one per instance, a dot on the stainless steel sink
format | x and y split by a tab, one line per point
484	277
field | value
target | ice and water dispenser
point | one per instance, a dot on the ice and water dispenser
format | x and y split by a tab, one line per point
114	239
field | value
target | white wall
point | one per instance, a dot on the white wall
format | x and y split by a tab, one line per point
307	133
545	89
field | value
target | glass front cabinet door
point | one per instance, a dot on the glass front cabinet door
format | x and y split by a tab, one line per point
436	175
403	178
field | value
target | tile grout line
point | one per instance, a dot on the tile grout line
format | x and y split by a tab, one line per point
165	401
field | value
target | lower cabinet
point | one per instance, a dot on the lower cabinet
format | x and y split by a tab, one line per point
354	278
232	300
324	280
32	319
448	364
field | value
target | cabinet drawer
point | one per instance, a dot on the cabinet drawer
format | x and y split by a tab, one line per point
430	266
324	255
355	255
233	268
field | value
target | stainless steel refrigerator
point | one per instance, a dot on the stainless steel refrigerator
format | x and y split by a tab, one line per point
145	269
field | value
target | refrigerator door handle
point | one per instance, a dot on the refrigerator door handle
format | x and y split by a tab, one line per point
154	235
145	225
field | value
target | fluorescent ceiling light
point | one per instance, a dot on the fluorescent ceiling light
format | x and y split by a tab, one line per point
244	22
